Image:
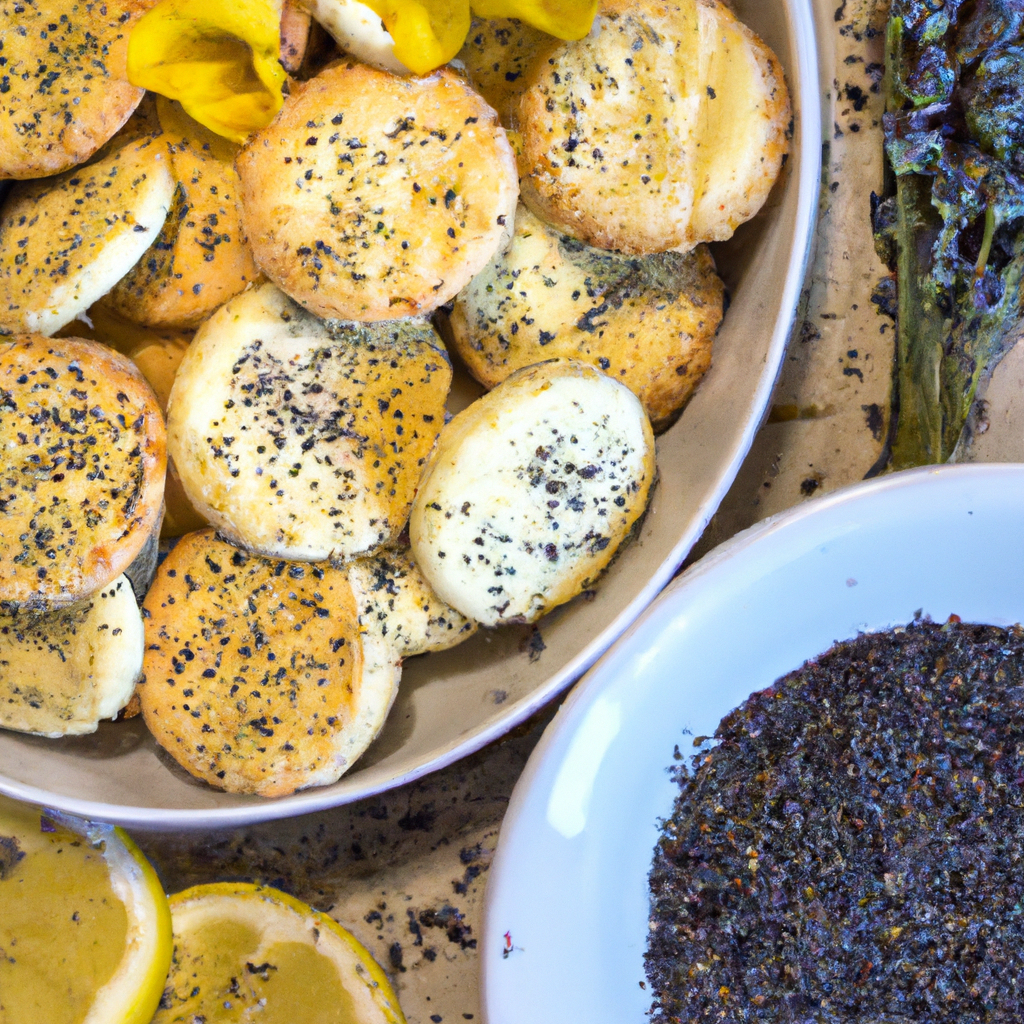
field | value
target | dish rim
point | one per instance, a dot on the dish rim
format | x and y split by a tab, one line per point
552	751
807	170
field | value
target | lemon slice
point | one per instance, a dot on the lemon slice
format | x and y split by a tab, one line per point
85	931
249	953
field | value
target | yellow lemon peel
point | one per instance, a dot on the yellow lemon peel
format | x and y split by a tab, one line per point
313	970
564	19
218	58
427	33
87	919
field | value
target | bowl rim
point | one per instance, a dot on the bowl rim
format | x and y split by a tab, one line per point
716	569
804	79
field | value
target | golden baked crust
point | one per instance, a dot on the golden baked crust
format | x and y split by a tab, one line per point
664	129
302	440
123	335
373	197
82	461
497	55
746	136
158	359
647	321
65	241
201	258
531	490
396	601
63	670
157	353
64	88
255	675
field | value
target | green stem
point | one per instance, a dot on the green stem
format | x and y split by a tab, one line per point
920	330
986	242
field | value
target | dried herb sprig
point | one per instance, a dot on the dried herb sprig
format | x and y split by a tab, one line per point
952	223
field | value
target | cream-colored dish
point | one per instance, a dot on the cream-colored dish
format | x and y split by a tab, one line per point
453	702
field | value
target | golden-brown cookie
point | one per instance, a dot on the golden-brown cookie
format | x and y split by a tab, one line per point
157	353
647	321
119	333
531	490
64	88
201	258
257	677
82	460
158	358
66	241
373	197
302	440
663	128
497	55
396	601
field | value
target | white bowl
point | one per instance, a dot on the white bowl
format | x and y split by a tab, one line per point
451	704
568	885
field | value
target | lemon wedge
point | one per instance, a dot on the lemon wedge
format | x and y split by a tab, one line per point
250	953
85	930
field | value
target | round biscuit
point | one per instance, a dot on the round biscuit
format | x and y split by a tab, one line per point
531	491
66	241
647	321
64	670
64	88
497	54
82	461
257	678
305	440
201	258
395	599
663	128
374	197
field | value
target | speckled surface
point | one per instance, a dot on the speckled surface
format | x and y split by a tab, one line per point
406	871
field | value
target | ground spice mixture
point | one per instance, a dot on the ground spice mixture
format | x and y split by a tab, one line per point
849	846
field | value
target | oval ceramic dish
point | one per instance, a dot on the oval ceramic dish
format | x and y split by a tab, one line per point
567	900
453	703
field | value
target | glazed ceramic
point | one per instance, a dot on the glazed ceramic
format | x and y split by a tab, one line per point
453	703
567	899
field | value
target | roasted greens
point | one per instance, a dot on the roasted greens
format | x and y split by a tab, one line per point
951	225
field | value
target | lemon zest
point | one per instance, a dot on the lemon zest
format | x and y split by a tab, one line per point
218	58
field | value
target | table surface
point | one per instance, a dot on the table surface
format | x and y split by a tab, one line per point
406	871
